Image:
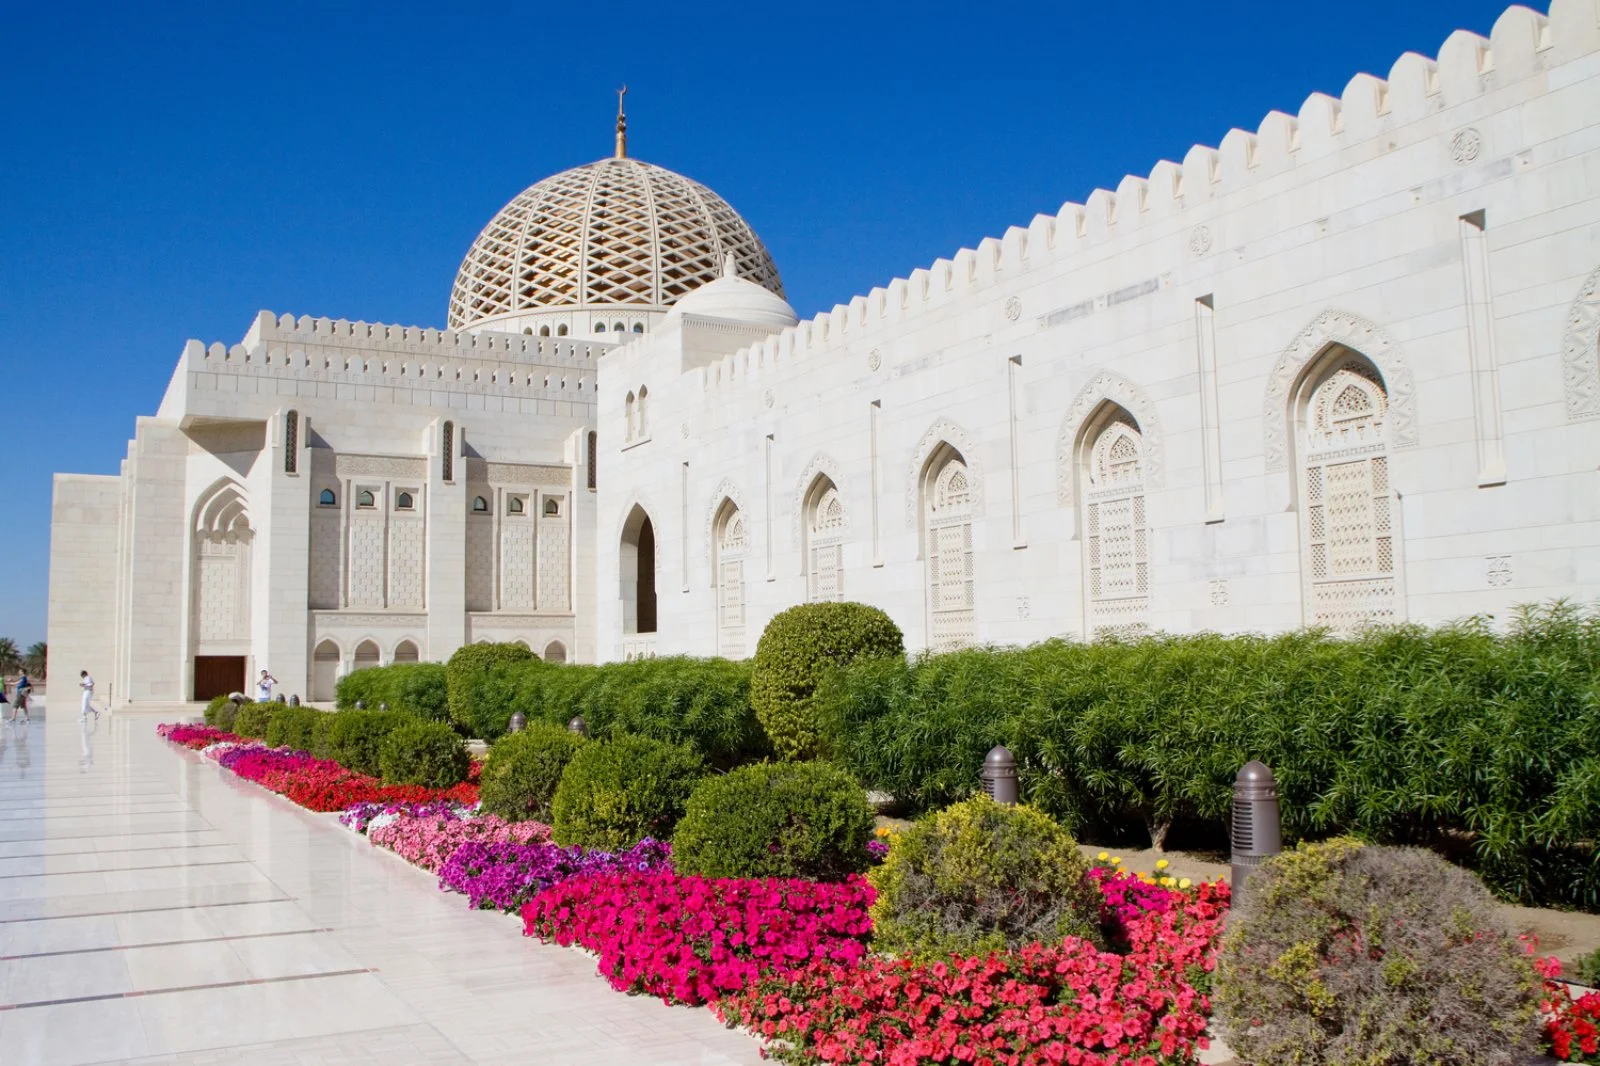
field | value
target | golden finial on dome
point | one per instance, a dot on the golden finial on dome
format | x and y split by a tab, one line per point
622	125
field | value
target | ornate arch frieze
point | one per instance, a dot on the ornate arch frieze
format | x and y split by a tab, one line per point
726	490
943	431
1105	387
1580	352
1357	334
821	463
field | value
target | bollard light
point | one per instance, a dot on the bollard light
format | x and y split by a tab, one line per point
361	705
519	722
1256	833
282	698
578	726
1000	775
294	701
383	706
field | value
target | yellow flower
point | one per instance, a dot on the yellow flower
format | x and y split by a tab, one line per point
883	830
1103	856
1116	860
1162	864
1185	883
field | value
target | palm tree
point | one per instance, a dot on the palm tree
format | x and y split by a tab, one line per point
10	658
36	659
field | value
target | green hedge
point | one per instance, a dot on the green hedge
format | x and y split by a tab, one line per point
254	719
354	739
787	819
704	703
1483	746
798	647
464	675
523	770
296	727
418	688
220	713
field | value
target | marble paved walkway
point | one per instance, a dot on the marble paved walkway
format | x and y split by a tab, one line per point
154	909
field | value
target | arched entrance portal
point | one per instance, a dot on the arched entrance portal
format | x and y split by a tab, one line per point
636	571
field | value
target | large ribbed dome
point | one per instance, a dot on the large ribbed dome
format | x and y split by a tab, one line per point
613	233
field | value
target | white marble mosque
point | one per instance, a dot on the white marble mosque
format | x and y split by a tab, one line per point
1337	371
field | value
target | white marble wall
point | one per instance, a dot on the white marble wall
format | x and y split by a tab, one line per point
1444	223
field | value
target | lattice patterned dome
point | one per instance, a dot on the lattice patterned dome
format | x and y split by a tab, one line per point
617	232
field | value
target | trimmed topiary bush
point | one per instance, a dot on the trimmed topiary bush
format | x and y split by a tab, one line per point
220	713
978	877
423	753
805	819
254	719
468	666
799	647
1338	953
294	727
523	770
354	739
614	793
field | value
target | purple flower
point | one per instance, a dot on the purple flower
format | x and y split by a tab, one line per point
503	876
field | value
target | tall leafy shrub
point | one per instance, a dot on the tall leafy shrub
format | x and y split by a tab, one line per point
354	739
295	727
465	676
523	770
797	649
423	753
418	688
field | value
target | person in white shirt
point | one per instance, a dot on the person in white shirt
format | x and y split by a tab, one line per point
264	687
86	683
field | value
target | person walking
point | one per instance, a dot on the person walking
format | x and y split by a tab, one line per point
264	687
86	683
20	697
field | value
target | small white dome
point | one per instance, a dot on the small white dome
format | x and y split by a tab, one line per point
732	297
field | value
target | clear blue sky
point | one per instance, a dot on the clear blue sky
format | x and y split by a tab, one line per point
166	170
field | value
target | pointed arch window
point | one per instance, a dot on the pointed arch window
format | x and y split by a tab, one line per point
824	529
449	449
480	505
642	430
1350	553
627	417
364	498
730	541
327	498
1116	535
947	506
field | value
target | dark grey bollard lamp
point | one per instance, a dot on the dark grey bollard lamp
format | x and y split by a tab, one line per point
294	701
518	723
361	705
383	706
282	698
578	726
1000	775
1256	833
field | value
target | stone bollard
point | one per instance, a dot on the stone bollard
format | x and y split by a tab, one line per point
1256	833
519	722
1000	775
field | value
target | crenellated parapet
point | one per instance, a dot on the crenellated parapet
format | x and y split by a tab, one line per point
287	331
1371	117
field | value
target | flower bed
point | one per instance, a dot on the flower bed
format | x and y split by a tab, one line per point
1572	1023
316	784
692	939
503	876
427	840
1046	1003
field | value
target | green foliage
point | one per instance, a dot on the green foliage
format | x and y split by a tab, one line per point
354	739
805	819
220	713
1587	969
616	792
1343	954
423	753
254	719
704	703
1483	746
295	727
978	877
798	648
464	675
523	770
417	688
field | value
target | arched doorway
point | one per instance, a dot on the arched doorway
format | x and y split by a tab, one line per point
823	526
636	572
405	652
730	542
325	672
1111	505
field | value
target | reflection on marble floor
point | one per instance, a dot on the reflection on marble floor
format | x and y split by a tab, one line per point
155	910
